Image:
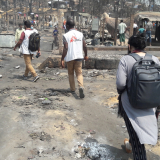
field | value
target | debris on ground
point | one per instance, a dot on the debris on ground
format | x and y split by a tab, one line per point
80	152
41	136
17	67
73	123
93	150
46	102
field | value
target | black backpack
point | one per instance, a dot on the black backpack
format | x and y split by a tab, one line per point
144	92
34	42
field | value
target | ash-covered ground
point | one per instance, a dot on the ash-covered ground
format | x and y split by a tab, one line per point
43	120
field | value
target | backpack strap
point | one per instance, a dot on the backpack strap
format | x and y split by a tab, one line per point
148	56
136	56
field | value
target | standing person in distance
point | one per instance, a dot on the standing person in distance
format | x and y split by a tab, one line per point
135	28
122	28
24	43
149	27
55	35
141	30
18	35
74	45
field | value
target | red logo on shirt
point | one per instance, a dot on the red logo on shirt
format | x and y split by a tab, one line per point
73	39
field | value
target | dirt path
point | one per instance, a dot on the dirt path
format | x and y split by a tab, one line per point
43	120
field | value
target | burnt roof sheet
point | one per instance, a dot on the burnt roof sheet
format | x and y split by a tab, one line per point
152	16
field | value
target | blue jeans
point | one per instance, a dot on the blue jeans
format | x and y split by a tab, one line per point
148	34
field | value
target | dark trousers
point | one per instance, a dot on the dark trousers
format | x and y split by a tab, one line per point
138	149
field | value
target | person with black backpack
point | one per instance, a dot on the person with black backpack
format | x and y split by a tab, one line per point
29	45
138	85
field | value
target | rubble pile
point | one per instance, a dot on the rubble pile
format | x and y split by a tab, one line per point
95	151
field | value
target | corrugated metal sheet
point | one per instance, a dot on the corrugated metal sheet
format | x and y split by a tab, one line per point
95	24
85	14
7	40
152	16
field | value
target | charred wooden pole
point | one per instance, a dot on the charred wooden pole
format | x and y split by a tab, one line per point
79	5
60	32
7	21
115	32
131	25
103	30
82	5
14	14
58	5
116	25
153	5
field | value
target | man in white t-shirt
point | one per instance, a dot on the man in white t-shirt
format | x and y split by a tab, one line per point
135	28
27	54
50	24
122	30
74	45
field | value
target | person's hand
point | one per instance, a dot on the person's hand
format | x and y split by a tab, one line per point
14	49
15	42
62	64
39	53
86	58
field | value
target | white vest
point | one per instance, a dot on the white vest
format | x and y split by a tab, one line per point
24	46
75	45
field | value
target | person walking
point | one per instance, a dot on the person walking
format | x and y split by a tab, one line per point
74	45
18	35
141	30
55	35
149	27
135	28
122	30
141	123
24	44
50	24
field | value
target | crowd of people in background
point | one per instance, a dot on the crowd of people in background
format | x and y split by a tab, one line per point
74	45
140	132
146	30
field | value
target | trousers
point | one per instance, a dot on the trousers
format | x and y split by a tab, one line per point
138	149
29	67
77	67
148	34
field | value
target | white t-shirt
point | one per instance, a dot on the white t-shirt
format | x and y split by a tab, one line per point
50	23
74	39
135	25
25	44
122	27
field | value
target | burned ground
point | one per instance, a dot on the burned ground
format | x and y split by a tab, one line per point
43	120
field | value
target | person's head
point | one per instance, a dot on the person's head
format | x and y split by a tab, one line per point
27	24
32	26
148	20
55	28
122	21
141	26
137	43
70	24
20	26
